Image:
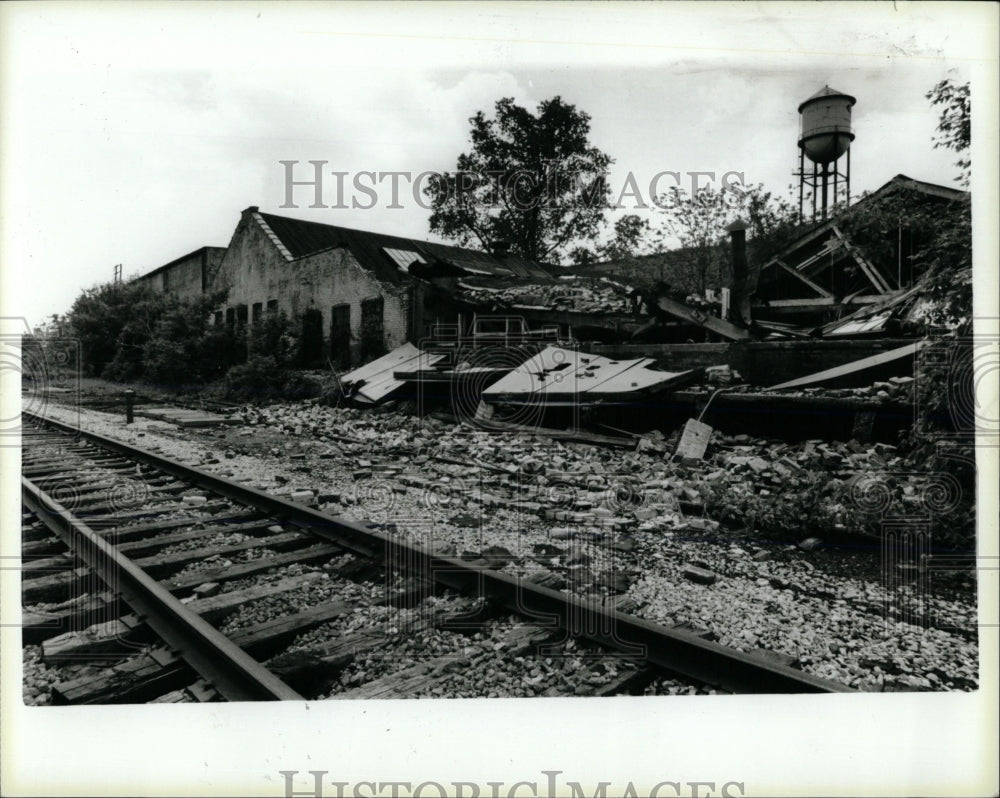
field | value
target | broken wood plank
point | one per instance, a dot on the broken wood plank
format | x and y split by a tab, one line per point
107	635
103	641
709	322
76	614
41	547
850	373
799	276
870	270
156	671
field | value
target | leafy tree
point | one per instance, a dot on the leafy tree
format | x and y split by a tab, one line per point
107	317
772	223
533	180
128	331
699	223
633	237
277	336
954	126
583	256
185	349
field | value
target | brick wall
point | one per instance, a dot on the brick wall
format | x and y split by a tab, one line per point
188	276
255	270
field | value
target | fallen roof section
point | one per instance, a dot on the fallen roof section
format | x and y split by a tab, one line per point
375	381
567	376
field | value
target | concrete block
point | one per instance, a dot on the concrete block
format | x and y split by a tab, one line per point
700	575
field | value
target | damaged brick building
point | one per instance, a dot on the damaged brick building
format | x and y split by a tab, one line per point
358	291
188	276
362	294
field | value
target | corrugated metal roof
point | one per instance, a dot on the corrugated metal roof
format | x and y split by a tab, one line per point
303	238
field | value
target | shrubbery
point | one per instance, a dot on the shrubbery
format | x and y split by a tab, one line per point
260	378
127	331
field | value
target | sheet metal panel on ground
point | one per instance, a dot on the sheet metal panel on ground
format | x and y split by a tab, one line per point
566	376
375	381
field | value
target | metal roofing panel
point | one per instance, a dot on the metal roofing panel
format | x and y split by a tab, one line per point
565	373
532	375
374	381
403	258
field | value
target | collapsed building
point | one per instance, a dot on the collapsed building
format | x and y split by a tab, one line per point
821	302
827	308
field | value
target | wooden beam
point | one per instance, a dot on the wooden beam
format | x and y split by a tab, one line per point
873	274
801	242
830	375
830	246
886	303
695	316
814	286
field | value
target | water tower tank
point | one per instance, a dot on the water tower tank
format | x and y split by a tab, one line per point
825	125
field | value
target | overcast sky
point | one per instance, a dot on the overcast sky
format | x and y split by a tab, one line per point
135	136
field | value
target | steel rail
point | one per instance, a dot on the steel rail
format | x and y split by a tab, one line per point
229	669
674	650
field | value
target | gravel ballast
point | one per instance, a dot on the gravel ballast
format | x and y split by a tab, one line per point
604	522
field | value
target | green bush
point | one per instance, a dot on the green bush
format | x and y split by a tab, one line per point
113	322
259	379
186	351
275	335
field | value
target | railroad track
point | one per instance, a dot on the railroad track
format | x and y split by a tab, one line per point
149	580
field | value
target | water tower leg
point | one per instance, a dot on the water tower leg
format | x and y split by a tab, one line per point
826	178
802	184
847	177
814	184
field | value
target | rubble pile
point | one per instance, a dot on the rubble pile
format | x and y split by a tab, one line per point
898	389
577	294
895	389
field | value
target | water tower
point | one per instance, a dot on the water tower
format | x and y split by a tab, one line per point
824	136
